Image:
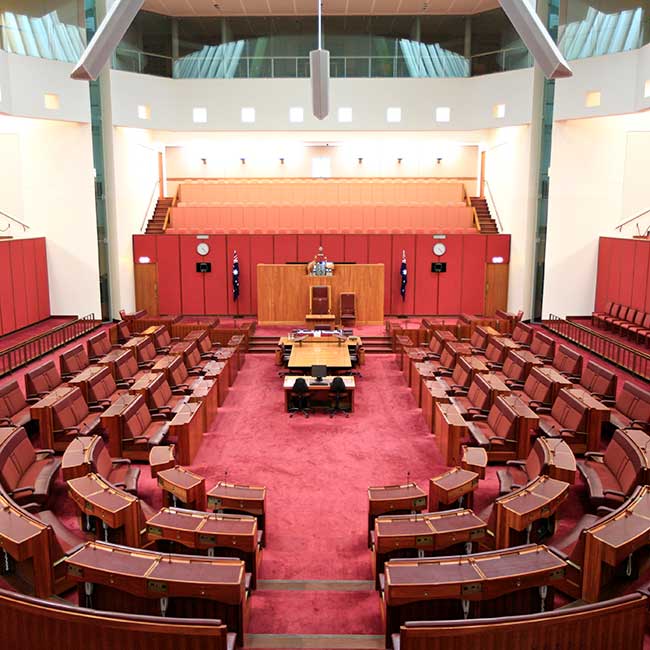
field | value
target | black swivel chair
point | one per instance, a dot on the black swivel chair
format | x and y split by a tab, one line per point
300	401
337	392
286	355
354	359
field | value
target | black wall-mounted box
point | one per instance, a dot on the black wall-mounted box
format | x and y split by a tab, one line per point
438	267
204	267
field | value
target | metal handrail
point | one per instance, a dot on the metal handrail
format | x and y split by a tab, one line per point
25	227
638	216
494	205
143	226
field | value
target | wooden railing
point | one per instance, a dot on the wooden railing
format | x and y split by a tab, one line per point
38	346
631	359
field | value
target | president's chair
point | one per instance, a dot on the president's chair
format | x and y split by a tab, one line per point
348	308
320	305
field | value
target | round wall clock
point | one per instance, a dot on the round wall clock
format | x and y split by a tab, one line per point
439	249
202	248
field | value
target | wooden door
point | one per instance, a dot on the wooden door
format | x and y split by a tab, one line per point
146	288
496	288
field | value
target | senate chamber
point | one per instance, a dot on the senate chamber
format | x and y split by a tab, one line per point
324	324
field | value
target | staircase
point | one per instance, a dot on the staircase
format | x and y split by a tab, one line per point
487	224
156	223
268	344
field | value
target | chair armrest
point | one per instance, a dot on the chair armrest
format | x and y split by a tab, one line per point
32	507
97	408
121	461
545	410
26	488
458	391
6	421
119	485
104	403
162	409
616	493
145	365
67	375
493	365
573	432
604	510
637	423
44	452
516	463
125	383
536	404
158	417
596	456
134	438
71	429
514	384
476	350
480	416
477	410
32	400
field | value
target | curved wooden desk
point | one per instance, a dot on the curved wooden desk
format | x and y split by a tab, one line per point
117	578
182	488
393	499
558	459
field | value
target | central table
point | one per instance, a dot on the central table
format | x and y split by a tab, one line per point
318	387
332	355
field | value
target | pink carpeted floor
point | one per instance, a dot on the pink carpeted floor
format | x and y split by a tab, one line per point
26	333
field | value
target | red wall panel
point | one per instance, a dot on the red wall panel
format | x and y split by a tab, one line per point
641	272
19	285
626	276
42	283
334	247
241	244
169	272
31	280
425	283
400	243
285	249
192	292
6	290
356	249
145	246
379	252
614	275
450	283
473	275
261	253
307	247
217	283
604	259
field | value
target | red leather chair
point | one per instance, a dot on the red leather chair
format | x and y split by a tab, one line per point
117	471
206	346
543	346
477	401
499	431
568	362
348	308
102	389
14	409
522	334
610	309
611	477
141	429
40	381
26	474
615	314
179	379
567	418
99	345
520	472
72	417
632	408
162	400
626	316
600	382
631	328
162	339
73	361
127	371
538	391
461	378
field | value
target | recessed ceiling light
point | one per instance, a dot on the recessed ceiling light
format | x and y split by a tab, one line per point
51	101
144	112
345	114
593	99
499	111
296	114
248	115
646	91
394	114
199	115
443	114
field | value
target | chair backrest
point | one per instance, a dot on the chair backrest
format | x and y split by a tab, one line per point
348	304
162	337
522	333
319	299
73	361
193	356
177	371
479	393
542	345
496	350
136	418
479	338
538	387
625	461
448	356
616	309
161	392
514	367
42	379
438	340
70	410
462	374
638	319
147	351
300	385
570	412
17	455
99	344
599	380
634	402
101	460
568	361
535	462
646	321
101	386
338	385
126	367
12	399
502	419
123	331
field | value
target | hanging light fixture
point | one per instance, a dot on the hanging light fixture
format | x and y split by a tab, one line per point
319	63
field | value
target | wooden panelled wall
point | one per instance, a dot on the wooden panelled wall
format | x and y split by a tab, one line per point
24	286
461	289
623	273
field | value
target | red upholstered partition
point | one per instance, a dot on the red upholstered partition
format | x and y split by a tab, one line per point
426	285
473	273
24	285
334	247
217	283
169	273
623	273
308	247
379	252
356	249
285	249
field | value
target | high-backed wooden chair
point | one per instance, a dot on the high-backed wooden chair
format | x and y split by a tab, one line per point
320	305
348	308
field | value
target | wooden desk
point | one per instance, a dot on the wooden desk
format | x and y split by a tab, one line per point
528	421
319	354
162	457
641	440
496	386
112	421
232	498
557	380
474	459
187	430
320	319
518	510
85	378
425	371
431	393
182	488
316	389
518	580
476	366
113	358
325	337
166	364
136	344
611	541
23	537
116	509
429	533
77	458
146	384
222	535
207	392
598	415
42	413
558	459
148	582
395	499
228	356
527	360
456	485
451	429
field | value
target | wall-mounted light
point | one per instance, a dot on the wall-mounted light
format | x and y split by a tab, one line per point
497	260
243	161
204	161
439	160
399	161
144	260
360	160
282	161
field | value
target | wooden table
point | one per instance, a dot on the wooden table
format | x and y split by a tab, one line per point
222	535
528	421
431	393
440	588
228	356
518	510
207	392
182	488
425	371
396	499
186	429
83	380
320	354
115	508
318	388
429	533
249	499
451	429
160	583
112	421
161	457
456	485
558	459
77	458
474	459
42	413
598	415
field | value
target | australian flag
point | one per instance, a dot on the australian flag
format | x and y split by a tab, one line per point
235	276
404	274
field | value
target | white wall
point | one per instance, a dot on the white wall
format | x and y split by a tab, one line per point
52	179
591	166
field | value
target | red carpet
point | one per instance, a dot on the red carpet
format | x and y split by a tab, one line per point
15	338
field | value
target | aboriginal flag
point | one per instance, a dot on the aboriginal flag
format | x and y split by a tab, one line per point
404	274
235	276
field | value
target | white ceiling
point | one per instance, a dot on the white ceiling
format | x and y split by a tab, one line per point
306	7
